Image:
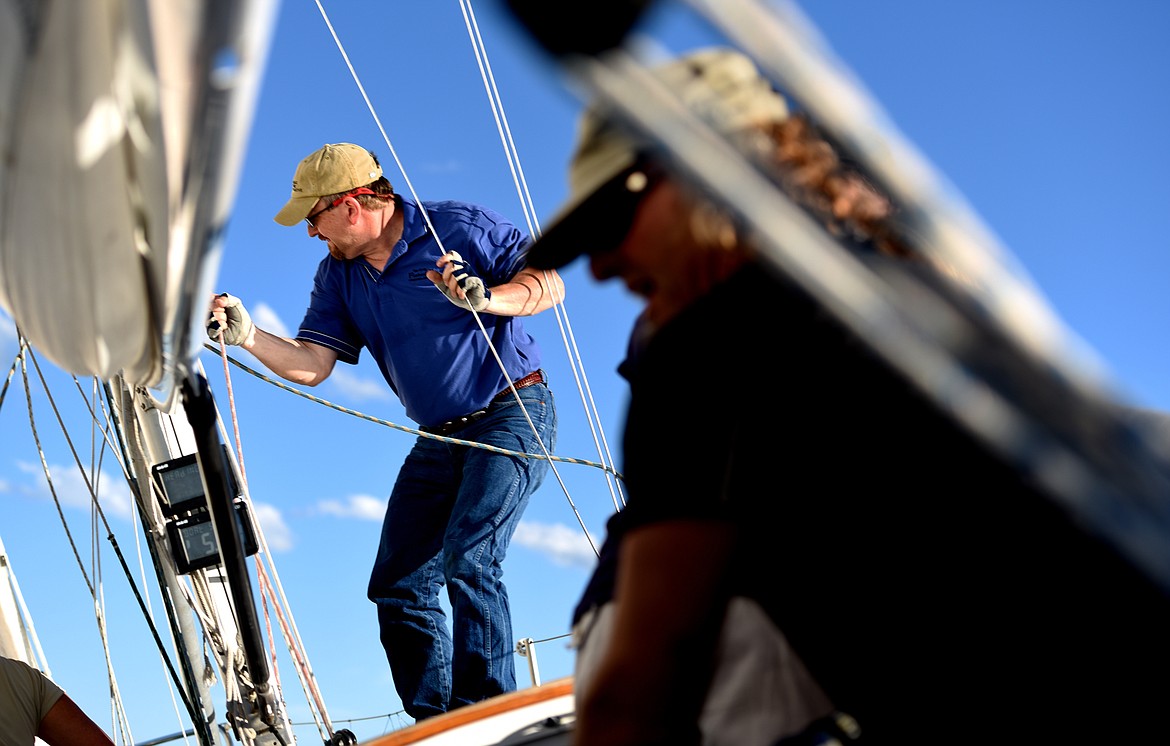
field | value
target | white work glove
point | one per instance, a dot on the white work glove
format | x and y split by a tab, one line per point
239	323
472	284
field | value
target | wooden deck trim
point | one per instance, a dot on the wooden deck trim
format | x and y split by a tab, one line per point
478	711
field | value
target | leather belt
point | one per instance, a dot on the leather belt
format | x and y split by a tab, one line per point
459	423
533	378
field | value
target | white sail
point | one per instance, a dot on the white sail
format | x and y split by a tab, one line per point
18	635
121	123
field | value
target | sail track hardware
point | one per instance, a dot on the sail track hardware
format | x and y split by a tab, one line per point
343	737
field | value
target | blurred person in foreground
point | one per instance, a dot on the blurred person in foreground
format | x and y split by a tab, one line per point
812	549
32	706
412	282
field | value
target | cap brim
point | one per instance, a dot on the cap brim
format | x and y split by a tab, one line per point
295	210
564	241
579	227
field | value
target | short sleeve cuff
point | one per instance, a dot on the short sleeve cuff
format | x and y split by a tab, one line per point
346	352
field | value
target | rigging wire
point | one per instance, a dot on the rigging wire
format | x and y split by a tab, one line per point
404	428
95	586
137	518
107	431
124	725
117	706
118	714
497	107
44	464
8	378
560	310
29	638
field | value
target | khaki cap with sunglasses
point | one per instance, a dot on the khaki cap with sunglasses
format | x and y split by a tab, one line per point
332	169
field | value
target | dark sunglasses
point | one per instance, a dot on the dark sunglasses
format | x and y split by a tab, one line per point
610	212
312	219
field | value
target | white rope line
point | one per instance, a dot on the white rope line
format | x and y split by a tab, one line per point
293	642
593	418
197	593
512	156
552	466
105	431
147	514
138	519
377	121
118	713
497	108
403	428
560	309
117	705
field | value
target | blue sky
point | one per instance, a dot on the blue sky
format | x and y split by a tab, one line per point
1047	116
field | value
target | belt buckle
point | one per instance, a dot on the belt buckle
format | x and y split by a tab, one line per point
457	424
450	426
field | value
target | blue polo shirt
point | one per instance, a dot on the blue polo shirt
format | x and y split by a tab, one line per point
431	351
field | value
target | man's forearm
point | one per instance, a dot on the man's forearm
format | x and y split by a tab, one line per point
300	362
528	293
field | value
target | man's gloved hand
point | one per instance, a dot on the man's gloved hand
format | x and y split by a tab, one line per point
239	323
472	284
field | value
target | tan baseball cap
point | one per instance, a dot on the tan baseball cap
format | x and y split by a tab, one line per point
333	169
719	84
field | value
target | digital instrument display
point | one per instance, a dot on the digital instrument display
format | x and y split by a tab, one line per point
181	484
193	539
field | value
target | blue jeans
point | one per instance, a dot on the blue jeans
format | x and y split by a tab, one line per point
448	522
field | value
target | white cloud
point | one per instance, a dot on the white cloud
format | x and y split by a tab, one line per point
563	545
364	507
266	318
71	488
449	166
363	389
343	377
276	532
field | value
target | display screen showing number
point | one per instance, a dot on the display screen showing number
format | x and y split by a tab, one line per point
198	541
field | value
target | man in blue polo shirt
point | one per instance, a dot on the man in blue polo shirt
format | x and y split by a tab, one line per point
408	281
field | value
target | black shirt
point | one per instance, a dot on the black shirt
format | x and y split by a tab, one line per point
935	590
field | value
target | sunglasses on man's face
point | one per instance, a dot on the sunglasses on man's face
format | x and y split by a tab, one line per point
610	211
312	219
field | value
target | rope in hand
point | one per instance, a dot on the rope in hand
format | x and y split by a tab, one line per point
300	660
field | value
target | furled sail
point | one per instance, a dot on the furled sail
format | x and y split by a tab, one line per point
120	122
